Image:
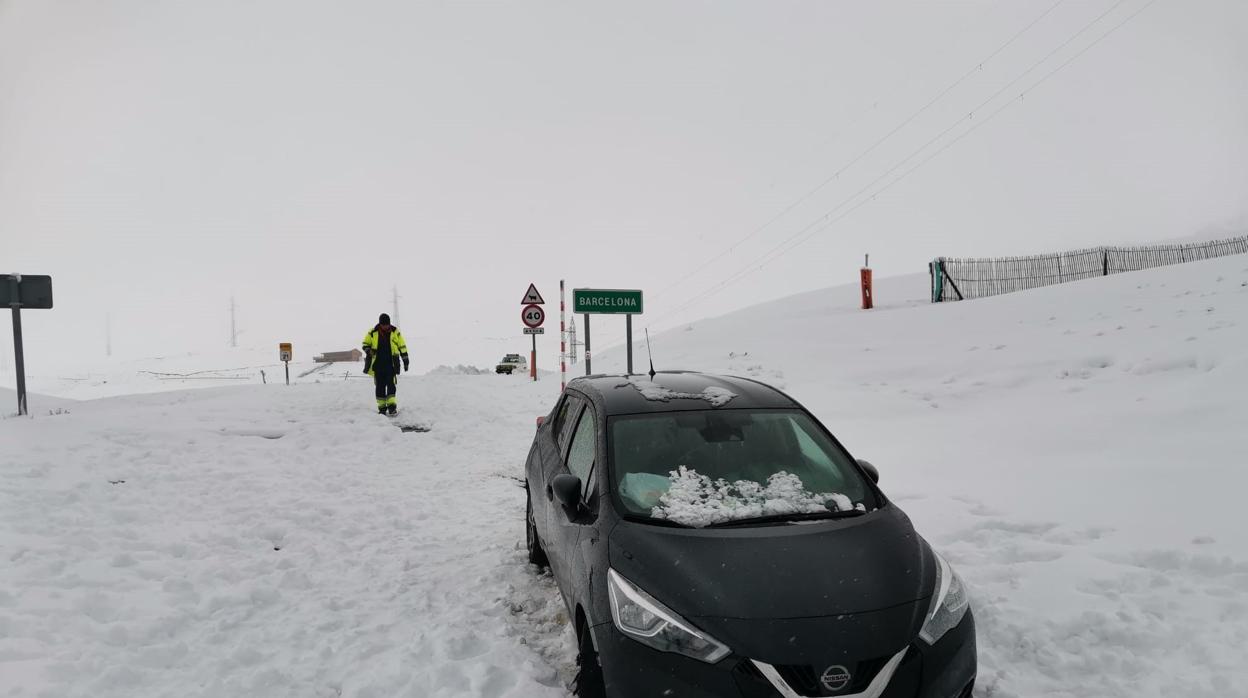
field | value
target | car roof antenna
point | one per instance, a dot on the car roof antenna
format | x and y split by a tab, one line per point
650	353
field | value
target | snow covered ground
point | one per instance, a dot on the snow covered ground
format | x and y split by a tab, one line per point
1078	452
274	541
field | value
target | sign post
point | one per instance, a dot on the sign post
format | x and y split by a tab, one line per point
563	341
598	301
286	352
533	317
19	356
628	333
24	291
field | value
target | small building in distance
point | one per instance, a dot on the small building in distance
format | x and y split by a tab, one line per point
352	356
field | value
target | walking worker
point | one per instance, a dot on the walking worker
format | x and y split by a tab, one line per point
384	348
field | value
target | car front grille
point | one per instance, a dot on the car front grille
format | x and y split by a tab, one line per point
804	678
751	681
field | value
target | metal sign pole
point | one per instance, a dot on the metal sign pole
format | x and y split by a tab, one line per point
628	337
287	372
588	359
19	357
533	358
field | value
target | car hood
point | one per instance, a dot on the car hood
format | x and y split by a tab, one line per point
789	571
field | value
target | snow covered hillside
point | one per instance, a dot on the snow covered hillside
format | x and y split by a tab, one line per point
1079	452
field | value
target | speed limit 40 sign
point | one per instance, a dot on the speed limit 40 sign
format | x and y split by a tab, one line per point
533	316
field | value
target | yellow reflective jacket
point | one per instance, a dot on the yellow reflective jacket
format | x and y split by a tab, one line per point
398	348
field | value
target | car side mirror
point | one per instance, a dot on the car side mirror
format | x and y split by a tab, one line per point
567	490
872	471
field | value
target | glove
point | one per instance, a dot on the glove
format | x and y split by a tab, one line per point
368	363
406	364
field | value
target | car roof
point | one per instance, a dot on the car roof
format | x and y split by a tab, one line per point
637	394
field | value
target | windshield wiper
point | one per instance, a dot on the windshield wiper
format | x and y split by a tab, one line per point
785	518
658	522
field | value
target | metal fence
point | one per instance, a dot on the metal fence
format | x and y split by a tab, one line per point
955	279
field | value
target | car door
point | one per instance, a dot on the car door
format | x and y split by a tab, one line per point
567	530
551	444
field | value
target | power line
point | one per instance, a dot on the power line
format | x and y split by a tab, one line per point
982	122
872	148
806	233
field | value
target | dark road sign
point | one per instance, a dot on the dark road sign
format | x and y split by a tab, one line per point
32	292
23	291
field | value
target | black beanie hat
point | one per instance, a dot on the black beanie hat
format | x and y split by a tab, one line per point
384	319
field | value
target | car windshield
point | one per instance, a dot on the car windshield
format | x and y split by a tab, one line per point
719	467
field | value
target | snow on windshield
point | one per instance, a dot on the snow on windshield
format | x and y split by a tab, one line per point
696	500
718	397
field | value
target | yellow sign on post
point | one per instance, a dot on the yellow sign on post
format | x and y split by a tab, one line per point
286	351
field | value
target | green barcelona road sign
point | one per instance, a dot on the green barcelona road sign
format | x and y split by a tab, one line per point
588	301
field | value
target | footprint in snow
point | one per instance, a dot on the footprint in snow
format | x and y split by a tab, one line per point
982	509
464	645
1081	537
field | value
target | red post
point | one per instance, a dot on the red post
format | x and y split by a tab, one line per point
867	301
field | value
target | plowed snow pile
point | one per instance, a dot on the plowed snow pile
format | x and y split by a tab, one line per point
1077	452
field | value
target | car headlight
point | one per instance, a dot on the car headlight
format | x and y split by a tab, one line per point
949	603
649	622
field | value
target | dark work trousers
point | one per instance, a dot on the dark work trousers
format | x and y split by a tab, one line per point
387	386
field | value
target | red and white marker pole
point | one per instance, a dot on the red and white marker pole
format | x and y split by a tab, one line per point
563	343
868	295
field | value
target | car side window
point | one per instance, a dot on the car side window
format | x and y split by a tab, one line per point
560	416
584	447
566	420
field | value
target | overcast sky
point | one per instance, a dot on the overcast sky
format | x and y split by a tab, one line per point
157	158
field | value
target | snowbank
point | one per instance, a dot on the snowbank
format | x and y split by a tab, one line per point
459	370
36	404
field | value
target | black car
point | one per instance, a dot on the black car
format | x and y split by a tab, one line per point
711	538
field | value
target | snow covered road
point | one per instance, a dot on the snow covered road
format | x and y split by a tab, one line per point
274	542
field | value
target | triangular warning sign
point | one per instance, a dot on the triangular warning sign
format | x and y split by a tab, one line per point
532	297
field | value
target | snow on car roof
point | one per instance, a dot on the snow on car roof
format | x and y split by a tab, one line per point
672	391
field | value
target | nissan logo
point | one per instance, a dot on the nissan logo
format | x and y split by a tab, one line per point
834	678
